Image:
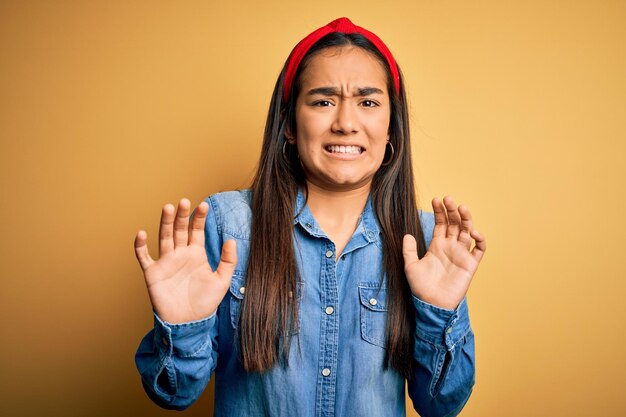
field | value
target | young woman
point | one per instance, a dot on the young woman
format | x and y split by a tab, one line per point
323	288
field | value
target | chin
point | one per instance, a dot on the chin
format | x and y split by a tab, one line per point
348	183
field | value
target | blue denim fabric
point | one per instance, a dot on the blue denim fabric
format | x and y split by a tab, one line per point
338	370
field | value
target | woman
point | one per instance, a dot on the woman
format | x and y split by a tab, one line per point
323	288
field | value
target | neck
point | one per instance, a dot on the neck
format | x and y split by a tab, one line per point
339	205
337	212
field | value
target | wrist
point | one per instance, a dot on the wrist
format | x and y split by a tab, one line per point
175	319
445	304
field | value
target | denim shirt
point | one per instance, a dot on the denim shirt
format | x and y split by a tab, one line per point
338	368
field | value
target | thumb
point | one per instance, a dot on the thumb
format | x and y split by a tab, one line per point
409	250
228	260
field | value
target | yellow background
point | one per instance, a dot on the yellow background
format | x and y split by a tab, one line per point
110	109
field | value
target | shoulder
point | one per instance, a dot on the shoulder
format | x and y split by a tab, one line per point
233	212
427	221
427	218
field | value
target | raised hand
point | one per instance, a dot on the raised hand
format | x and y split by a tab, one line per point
181	285
442	277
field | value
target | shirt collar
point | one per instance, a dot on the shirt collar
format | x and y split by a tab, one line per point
367	226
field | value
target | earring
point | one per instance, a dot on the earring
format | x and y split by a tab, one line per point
393	152
285	153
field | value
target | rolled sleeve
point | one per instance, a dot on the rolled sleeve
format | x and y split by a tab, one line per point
183	339
440	326
444	360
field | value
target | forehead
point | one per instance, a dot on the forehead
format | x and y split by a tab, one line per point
346	66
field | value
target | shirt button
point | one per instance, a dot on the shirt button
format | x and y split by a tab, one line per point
325	371
165	341
373	301
242	290
329	253
449	329
308	225
329	310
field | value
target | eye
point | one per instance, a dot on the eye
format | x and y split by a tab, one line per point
369	103
322	103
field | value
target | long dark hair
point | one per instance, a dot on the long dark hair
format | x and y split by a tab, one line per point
270	306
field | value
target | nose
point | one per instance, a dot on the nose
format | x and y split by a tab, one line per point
346	119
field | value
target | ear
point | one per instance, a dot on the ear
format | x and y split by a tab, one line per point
290	136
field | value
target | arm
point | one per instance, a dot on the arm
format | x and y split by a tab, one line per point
176	359
444	362
443	366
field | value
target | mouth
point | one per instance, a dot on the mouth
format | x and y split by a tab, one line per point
346	150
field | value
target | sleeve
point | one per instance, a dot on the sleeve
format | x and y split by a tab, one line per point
443	373
176	361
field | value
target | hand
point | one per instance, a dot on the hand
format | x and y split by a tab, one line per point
181	285
442	277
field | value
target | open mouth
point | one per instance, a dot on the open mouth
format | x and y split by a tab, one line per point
340	149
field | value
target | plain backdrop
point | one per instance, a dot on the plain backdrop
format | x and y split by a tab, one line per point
110	109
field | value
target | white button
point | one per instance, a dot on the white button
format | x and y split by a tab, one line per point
325	371
329	253
329	310
242	290
450	330
373	301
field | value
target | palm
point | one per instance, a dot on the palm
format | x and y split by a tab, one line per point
442	277
181	285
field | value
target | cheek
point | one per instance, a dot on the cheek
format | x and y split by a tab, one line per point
384	123
380	152
309	137
306	150
379	131
309	128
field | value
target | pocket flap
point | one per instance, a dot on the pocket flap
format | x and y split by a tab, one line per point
373	298
299	288
237	286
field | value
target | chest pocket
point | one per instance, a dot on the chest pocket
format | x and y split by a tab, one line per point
238	292
373	313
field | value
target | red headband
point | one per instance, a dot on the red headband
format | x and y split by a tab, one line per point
344	25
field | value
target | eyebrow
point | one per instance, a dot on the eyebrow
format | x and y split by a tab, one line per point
333	91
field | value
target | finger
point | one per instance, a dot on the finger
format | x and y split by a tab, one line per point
228	260
454	218
166	230
441	221
466	226
409	251
141	250
481	245
181	223
196	226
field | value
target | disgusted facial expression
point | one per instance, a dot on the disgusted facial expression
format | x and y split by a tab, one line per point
342	118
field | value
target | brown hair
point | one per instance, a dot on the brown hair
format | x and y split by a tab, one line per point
268	309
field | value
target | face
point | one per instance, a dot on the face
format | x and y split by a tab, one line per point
342	118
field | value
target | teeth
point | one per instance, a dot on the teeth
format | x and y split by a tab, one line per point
344	149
